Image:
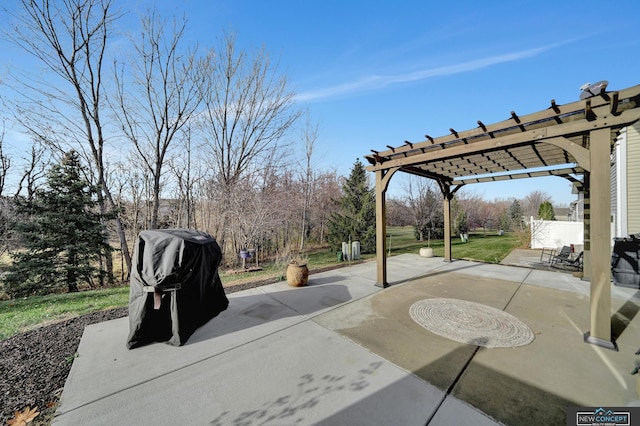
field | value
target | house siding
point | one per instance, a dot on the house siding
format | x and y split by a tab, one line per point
633	180
613	183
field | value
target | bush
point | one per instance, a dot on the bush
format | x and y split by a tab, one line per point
524	237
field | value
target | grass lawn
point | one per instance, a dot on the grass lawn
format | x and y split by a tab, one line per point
491	248
23	314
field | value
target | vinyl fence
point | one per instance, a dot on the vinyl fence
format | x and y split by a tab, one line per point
553	234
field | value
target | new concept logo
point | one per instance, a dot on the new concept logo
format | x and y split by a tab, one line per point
603	417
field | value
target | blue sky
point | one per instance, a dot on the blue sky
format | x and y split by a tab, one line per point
378	73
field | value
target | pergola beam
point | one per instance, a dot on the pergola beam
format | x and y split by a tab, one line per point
612	103
530	136
523	175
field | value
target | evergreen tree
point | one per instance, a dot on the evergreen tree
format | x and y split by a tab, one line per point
515	214
462	223
61	232
545	211
504	221
356	218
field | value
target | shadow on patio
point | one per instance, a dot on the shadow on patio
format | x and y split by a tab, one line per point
531	384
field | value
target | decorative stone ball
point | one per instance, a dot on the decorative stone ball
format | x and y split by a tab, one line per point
426	252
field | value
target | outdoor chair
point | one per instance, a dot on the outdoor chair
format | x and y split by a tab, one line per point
564	258
577	261
549	253
560	256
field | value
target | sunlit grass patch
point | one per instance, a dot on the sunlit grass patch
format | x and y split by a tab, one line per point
18	315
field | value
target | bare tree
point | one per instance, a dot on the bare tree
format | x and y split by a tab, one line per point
125	189
5	164
256	207
327	189
70	38
486	215
127	184
398	212
532	202
188	172
501	213
248	110
35	169
309	137
472	204
423	204
160	98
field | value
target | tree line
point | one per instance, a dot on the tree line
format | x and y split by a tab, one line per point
420	205
60	238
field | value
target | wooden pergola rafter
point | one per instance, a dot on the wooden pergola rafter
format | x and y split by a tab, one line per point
571	141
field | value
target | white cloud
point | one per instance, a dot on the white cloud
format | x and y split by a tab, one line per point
374	82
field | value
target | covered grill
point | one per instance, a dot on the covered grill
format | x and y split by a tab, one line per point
174	287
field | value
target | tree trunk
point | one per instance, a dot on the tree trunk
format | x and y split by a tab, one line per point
72	279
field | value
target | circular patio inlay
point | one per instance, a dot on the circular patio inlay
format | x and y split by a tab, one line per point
471	323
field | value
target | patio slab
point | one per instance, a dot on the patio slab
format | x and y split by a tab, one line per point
531	384
343	351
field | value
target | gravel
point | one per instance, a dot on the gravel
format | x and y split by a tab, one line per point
34	365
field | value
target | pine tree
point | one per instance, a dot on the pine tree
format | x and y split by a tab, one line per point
462	223
515	214
546	212
356	217
62	234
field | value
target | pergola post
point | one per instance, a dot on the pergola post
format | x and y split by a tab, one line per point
447	196
599	239
447	228
382	182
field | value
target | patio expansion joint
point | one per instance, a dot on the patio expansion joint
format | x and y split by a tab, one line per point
453	384
520	284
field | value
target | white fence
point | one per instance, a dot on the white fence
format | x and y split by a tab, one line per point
553	234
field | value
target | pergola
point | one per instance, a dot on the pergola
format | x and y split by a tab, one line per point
573	141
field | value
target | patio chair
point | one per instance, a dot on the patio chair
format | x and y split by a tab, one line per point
549	253
561	256
575	262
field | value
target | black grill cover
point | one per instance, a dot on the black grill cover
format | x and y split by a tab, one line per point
625	262
177	270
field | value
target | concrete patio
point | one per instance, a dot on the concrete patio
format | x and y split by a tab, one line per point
343	351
